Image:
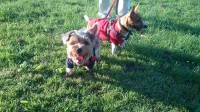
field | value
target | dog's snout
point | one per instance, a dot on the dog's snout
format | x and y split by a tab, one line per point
79	50
145	25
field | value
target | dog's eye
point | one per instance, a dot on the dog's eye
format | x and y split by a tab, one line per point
86	43
72	43
138	19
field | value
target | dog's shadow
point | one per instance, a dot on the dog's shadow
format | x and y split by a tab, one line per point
171	25
74	3
162	75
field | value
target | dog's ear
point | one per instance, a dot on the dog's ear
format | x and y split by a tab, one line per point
93	30
134	10
66	37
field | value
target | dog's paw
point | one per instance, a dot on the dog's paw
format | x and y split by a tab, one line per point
69	71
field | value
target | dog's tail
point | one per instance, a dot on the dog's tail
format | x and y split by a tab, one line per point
86	18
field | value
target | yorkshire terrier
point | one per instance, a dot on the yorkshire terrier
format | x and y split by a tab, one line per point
82	48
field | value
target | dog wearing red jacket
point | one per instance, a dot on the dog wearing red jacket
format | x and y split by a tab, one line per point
117	31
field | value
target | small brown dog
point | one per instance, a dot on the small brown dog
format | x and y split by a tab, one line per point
118	31
82	48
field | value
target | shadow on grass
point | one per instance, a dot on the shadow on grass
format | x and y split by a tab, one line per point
172	79
74	3
170	24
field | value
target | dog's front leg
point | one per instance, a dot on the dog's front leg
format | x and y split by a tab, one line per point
123	44
70	71
97	54
114	48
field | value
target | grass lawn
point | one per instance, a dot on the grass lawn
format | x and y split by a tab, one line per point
157	71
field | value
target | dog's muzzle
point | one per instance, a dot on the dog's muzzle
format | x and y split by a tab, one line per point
144	25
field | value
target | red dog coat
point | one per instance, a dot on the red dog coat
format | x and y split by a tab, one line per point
103	34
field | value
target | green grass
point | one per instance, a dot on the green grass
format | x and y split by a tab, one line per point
159	71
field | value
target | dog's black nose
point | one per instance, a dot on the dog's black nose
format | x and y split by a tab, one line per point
145	26
78	50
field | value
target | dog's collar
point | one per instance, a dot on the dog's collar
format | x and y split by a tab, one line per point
126	29
119	35
110	28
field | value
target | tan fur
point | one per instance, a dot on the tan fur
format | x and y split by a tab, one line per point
131	20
